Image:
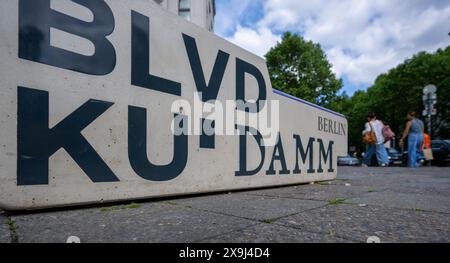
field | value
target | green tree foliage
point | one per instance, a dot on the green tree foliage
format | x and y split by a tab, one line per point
399	91
300	68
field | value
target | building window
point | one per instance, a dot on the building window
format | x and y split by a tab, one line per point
184	9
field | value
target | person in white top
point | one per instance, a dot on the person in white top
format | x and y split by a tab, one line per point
377	127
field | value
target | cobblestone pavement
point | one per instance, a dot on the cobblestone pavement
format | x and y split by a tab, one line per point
394	204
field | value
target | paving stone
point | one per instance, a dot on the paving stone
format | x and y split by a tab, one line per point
251	207
154	222
358	223
426	186
320	192
5	236
272	233
391	181
428	202
439	190
402	205
392	174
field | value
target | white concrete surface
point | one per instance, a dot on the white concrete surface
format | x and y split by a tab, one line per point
207	170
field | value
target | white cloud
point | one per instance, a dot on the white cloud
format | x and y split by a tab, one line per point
362	38
258	41
229	14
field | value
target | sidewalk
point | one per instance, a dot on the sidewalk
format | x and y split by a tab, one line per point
394	204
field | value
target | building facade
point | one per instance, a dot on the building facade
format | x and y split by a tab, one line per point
200	12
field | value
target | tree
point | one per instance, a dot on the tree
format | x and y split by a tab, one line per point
300	68
399	91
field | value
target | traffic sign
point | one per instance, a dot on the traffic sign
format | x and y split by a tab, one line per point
429	89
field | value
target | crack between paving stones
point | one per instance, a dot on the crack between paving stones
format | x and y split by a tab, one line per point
226	233
278	225
304	199
403	209
318	232
311	231
257	220
349	202
12	227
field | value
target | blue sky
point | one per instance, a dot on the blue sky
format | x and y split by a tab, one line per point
362	38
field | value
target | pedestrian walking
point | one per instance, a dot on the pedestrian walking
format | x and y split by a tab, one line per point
414	130
374	139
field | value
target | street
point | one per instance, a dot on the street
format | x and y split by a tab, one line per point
392	204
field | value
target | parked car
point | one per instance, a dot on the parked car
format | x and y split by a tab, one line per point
395	157
348	161
441	152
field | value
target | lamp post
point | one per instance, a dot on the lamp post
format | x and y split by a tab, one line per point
429	100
